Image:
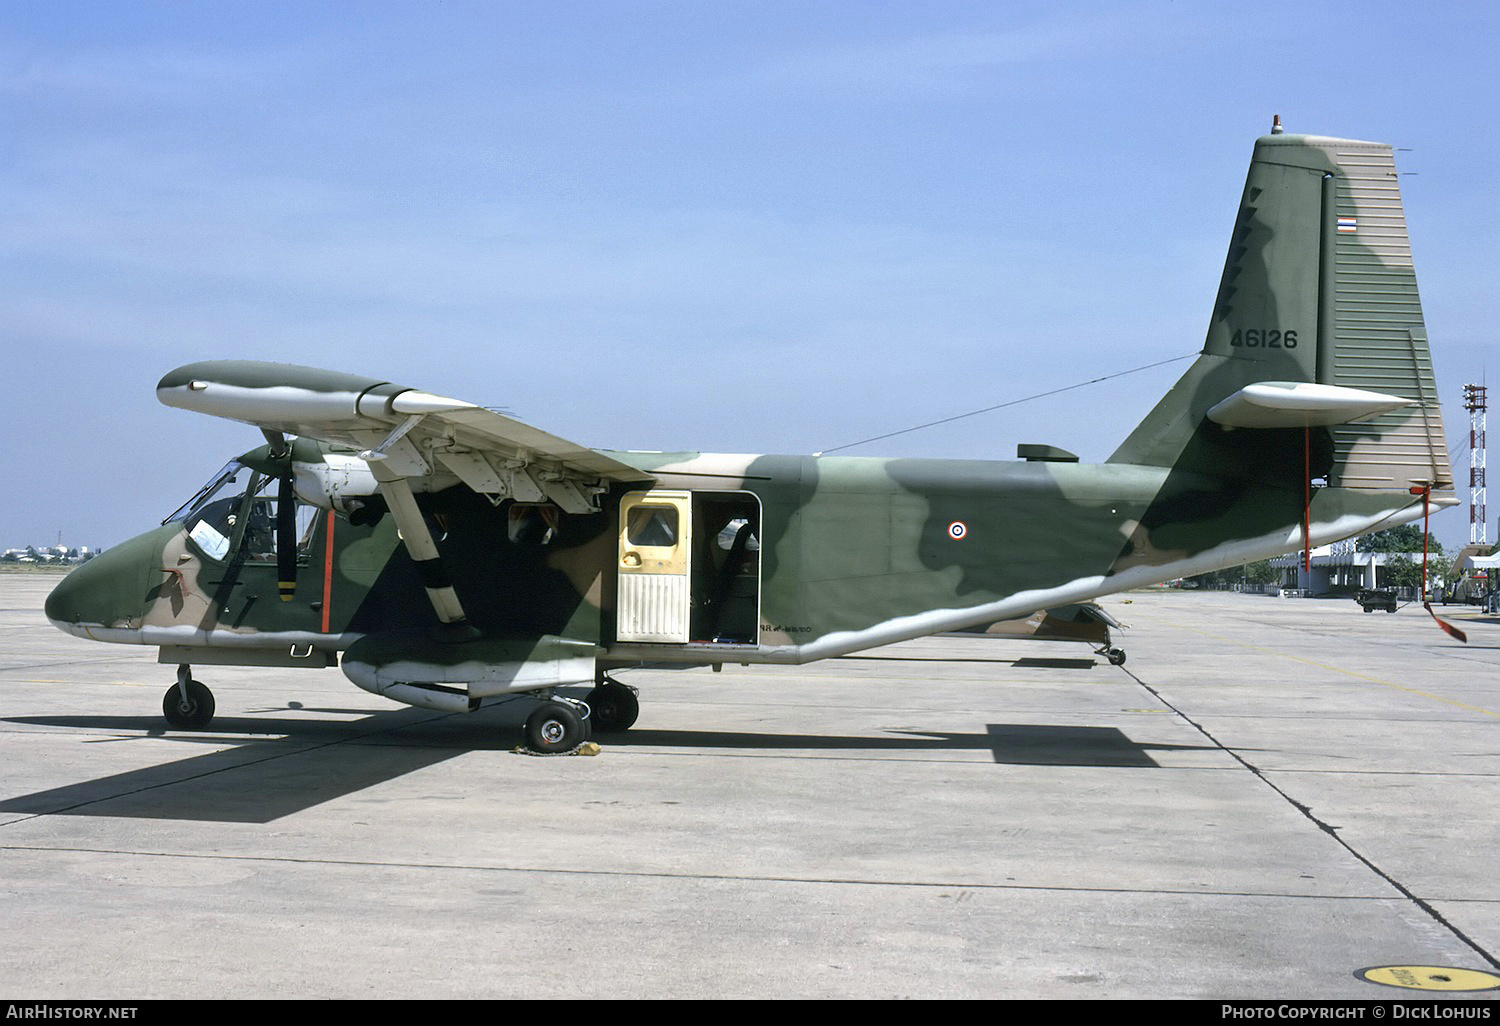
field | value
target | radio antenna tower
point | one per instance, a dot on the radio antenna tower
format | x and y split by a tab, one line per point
1474	402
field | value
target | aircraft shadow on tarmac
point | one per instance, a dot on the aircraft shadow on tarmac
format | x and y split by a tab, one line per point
1044	662
264	769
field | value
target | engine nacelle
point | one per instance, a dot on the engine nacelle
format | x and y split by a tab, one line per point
338	482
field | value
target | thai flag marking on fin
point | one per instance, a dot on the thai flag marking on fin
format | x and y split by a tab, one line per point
1348	224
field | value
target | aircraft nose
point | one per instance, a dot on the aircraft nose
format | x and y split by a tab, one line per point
110	590
63	602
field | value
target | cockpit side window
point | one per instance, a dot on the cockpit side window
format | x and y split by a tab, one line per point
260	531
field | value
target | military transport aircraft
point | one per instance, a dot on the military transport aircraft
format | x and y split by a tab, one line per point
454	555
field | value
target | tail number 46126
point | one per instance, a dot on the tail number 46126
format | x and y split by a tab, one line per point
1264	338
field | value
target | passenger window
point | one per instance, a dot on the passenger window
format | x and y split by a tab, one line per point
652	525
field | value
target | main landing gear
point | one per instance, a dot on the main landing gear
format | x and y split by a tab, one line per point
187	705
614	706
562	724
556	726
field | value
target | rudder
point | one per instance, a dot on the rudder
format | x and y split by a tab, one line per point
1318	289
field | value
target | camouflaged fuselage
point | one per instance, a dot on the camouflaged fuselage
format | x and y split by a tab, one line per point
854	552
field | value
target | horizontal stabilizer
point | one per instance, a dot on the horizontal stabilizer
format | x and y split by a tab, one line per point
1293	404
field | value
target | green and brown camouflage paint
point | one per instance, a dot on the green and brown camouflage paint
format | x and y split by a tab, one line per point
853	552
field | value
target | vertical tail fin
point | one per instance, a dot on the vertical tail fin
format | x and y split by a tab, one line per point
1318	289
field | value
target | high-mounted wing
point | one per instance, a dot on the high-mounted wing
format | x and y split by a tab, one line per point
408	433
407	437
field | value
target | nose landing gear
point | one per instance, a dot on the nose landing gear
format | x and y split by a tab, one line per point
187	705
1116	656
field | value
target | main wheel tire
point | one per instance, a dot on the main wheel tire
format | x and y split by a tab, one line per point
613	707
554	727
195	713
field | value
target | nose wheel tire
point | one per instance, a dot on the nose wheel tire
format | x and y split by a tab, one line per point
554	727
194	712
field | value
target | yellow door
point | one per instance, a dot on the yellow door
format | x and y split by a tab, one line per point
654	598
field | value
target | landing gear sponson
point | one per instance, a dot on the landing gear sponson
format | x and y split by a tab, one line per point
557	724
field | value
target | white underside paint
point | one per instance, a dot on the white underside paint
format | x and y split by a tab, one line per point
278	404
197	637
477	679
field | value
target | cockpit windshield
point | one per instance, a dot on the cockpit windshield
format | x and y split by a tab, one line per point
216	484
212	518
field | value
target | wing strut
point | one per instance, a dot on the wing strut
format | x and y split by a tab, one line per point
422	549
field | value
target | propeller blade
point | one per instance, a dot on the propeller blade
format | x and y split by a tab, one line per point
1460	635
1425	491
286	536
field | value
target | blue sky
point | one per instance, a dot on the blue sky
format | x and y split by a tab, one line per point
728	226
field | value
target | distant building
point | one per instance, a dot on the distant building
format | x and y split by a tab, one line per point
1479	579
1337	567
51	554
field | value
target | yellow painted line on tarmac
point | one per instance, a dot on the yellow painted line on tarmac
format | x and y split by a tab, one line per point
48	680
1338	669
